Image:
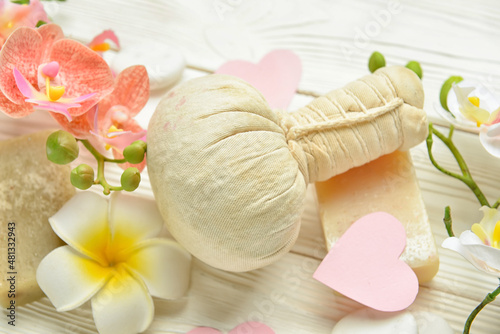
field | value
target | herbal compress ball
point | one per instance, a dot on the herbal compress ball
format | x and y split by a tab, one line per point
230	175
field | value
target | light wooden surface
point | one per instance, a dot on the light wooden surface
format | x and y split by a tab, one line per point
334	40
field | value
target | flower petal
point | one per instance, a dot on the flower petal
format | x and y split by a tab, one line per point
80	126
470	111
484	258
69	279
83	224
14	110
86	74
24	86
490	139
103	37
131	90
252	327
122	306
35	13
133	219
490	219
164	265
50	34
21	50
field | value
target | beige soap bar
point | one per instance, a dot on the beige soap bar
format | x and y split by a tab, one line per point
31	190
386	184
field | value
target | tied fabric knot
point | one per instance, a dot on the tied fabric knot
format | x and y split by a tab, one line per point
298	131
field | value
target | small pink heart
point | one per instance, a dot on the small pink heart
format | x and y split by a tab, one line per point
51	69
276	76
250	327
364	264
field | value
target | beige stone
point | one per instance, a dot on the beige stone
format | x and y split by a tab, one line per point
31	190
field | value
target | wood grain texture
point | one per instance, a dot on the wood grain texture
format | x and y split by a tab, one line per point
334	40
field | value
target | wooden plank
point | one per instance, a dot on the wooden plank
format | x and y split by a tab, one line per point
446	37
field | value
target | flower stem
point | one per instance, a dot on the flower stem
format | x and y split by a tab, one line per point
101	160
488	299
447	221
466	176
497	204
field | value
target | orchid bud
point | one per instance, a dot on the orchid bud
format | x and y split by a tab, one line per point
376	61
134	153
445	89
61	147
82	177
415	67
130	179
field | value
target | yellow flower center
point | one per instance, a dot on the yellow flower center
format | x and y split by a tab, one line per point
112	129
492	240
474	100
54	93
101	47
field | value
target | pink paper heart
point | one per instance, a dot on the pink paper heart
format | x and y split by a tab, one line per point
51	69
250	327
276	76
364	264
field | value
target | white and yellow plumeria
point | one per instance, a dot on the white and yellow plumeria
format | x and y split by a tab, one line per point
113	259
472	104
481	245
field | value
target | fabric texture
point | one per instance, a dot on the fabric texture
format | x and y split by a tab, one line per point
230	175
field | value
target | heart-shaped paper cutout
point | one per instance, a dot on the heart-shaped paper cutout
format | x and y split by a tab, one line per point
276	76
251	327
364	264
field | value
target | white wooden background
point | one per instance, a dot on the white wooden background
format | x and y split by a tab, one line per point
334	40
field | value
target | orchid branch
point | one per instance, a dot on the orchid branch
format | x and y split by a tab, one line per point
488	299
466	176
101	160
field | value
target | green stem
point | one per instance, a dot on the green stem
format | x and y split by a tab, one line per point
466	176
488	299
497	204
98	155
101	160
447	221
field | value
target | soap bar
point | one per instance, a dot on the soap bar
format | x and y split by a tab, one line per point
387	184
31	190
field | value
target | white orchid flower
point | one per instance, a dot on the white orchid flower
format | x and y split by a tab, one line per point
481	245
473	105
114	260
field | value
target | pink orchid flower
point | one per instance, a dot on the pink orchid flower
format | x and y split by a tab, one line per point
13	16
39	69
110	124
100	43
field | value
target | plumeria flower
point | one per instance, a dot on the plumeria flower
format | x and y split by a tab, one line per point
110	125
39	69
481	245
473	105
113	259
13	16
